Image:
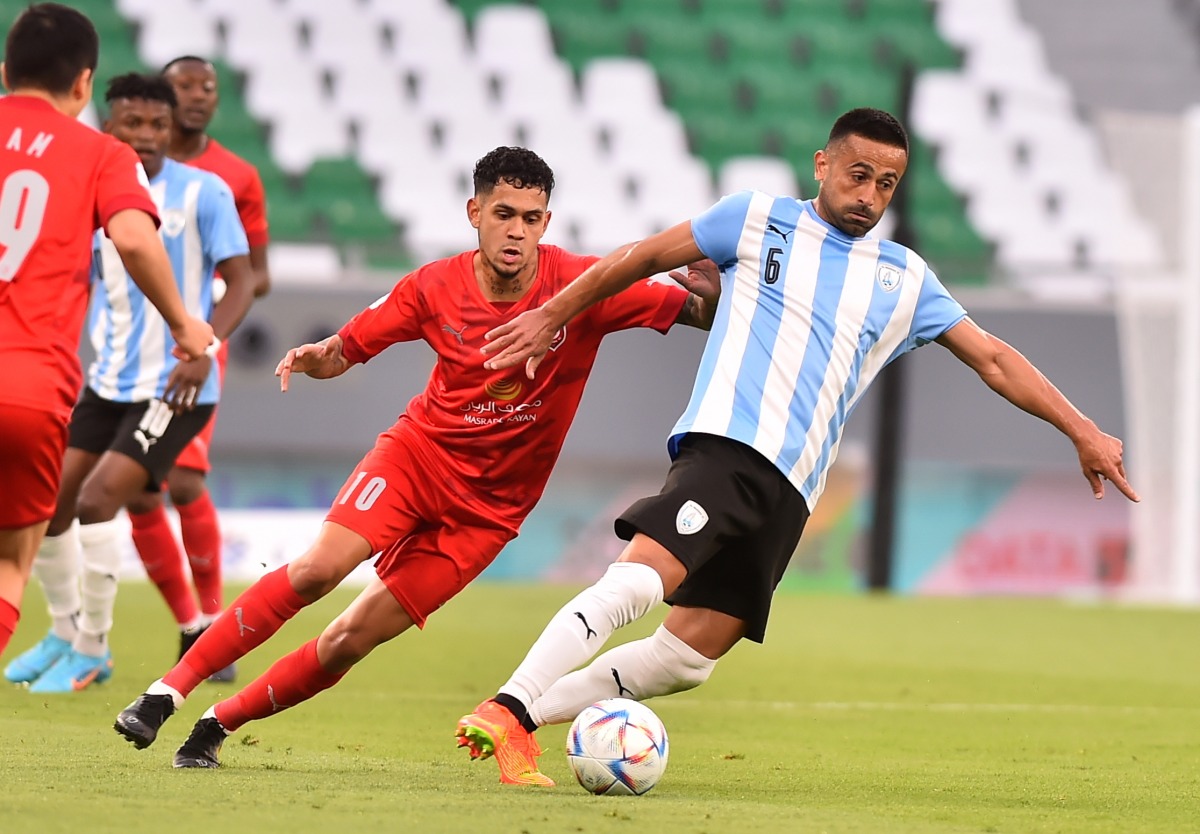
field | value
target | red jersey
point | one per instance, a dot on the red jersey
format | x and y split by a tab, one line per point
60	180
243	180
498	430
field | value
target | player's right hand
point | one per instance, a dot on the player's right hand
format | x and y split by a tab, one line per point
320	360
192	338
526	339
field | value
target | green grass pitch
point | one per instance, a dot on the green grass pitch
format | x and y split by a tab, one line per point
858	715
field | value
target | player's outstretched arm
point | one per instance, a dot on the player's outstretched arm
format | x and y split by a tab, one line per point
133	233
323	360
1014	377
527	337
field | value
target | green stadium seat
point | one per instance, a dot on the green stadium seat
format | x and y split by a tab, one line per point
716	136
690	85
774	93
839	92
357	222
580	38
290	218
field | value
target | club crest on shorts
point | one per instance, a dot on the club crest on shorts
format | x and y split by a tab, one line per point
888	276
691	518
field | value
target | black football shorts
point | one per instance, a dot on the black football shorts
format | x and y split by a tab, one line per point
732	518
147	431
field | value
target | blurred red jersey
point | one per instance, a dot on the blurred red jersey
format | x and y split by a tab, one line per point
496	430
59	181
245	183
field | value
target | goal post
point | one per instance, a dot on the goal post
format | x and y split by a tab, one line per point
1159	319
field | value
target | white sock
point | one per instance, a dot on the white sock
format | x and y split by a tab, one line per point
57	570
660	664
194	624
160	688
626	592
101	565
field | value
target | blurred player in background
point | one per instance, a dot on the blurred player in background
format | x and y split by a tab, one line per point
195	83
811	309
59	181
141	406
449	484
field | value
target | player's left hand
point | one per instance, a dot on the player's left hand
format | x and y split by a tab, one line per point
1100	456
526	339
185	382
701	278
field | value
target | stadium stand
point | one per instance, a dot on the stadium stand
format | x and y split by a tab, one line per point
365	116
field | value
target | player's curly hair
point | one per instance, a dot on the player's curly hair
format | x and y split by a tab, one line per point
870	123
145	87
519	167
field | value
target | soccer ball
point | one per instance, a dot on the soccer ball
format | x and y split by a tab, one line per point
617	747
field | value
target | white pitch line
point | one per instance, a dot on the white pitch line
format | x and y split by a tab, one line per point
903	706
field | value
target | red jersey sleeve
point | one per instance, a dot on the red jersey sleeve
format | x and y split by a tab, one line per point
252	209
396	317
648	303
121	184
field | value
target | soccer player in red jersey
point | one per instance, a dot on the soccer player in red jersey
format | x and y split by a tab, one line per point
59	181
195	82
450	483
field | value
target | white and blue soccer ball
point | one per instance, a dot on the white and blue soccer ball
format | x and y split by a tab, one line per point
617	747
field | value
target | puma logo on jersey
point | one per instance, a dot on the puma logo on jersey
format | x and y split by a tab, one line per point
771	227
457	334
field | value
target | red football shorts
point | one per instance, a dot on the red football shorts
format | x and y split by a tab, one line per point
32	445
195	454
434	531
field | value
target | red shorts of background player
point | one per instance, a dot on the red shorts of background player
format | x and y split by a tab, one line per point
32	445
433	530
195	454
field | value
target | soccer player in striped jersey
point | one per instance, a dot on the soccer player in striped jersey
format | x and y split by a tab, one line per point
195	83
141	405
59	182
811	309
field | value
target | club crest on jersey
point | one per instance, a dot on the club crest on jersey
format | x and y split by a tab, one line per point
888	276
173	221
690	519
559	338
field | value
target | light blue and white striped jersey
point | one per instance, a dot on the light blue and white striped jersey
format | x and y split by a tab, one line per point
200	228
808	317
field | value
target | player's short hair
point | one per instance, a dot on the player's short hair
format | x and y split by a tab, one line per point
870	123
48	46
185	59
145	87
519	167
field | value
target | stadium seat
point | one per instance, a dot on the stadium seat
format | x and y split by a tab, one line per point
173	31
762	173
497	28
620	88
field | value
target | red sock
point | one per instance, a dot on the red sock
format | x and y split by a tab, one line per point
202	541
156	545
292	680
9	615
254	616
